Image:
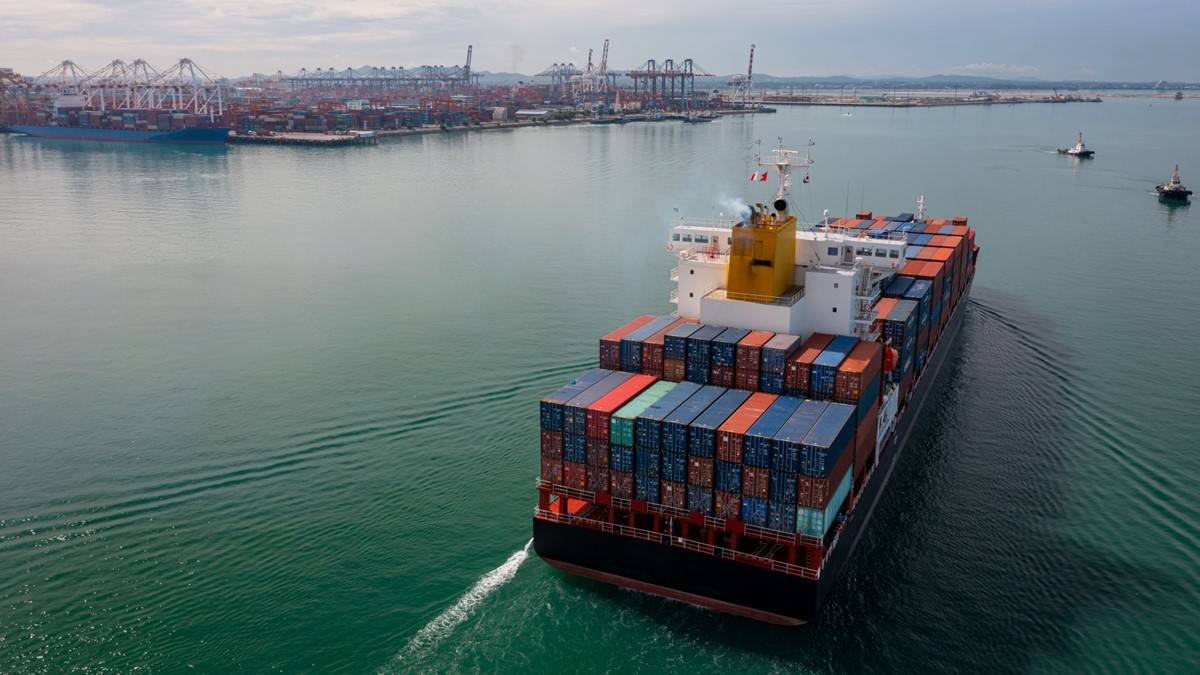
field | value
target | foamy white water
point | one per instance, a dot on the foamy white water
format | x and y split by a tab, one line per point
437	630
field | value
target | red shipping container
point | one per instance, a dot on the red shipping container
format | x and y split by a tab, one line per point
912	268
599	414
598	479
610	345
749	350
799	365
728	505
674	494
814	493
552	444
700	471
721	376
756	482
674	370
863	365
621	484
552	470
597	452
864	441
575	475
746	379
730	433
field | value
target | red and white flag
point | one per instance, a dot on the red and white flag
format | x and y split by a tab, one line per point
763	177
753	176
805	178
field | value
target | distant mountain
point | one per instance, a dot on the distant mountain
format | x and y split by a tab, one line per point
720	82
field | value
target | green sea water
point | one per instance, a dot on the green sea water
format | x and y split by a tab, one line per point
275	409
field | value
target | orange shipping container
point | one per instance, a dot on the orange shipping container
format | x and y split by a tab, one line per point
610	345
730	433
799	365
854	377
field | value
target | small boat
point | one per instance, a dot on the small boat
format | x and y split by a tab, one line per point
1080	150
1173	189
1179	96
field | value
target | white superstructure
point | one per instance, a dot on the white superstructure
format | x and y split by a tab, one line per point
836	274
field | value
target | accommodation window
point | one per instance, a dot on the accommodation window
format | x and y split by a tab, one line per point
894	253
880	253
832	250
691	271
687	237
835	310
675	237
701	239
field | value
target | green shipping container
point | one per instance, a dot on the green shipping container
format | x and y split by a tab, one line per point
816	522
620	425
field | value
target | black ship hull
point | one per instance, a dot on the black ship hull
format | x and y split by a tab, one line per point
722	584
1176	195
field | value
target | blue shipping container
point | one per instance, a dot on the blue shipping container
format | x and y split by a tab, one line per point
724	346
552	405
631	345
575	448
574	410
786	445
830	436
675	426
699	345
781	515
771	383
823	381
674	466
782	486
620	458
776	351
700	500
728	476
675	341
702	433
647	462
645	489
757	441
754	511
648	426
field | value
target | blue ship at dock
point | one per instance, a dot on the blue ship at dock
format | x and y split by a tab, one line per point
198	136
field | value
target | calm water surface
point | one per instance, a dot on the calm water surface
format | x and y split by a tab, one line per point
275	409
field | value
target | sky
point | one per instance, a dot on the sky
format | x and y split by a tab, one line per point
1100	40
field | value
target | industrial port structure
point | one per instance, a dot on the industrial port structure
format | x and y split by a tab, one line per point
137	95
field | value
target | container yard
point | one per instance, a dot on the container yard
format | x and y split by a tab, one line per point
328	107
731	464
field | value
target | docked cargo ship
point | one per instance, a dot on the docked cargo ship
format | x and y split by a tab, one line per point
202	136
730	454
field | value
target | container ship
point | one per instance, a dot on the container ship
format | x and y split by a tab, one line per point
730	455
202	136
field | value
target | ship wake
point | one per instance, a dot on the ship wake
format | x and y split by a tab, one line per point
444	624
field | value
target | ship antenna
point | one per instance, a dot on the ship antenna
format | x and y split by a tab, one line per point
782	161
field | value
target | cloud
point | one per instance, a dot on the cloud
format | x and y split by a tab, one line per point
997	70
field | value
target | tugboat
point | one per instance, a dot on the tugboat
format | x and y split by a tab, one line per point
1173	189
1080	150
